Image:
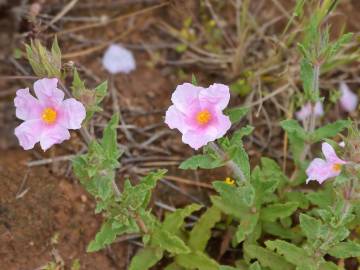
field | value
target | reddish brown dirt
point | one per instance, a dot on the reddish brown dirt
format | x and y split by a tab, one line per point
42	215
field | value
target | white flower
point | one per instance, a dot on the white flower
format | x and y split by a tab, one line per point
117	59
348	99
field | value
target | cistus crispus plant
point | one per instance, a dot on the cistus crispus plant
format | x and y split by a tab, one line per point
275	218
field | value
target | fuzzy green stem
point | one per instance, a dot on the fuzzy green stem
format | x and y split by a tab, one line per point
229	163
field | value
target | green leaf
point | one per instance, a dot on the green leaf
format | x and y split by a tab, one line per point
278	210
242	87
174	221
299	197
297	137
146	258
193	78
247	226
78	86
330	130
239	134
226	267
201	232
238	154
201	161
299	8
292	253
169	242
345	250
109	140
310	226
43	62
196	260
322	198
277	229
293	127
56	53
267	258
328	266
230	201
237	113
307	77
255	266
173	266
106	236
334	48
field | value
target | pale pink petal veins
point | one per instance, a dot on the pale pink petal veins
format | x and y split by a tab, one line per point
27	107
320	170
217	94
199	138
318	110
184	96
348	100
47	92
53	135
176	119
223	124
28	133
305	111
330	155
72	114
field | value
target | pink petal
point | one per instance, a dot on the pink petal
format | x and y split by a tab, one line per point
47	92
319	111
348	100
217	94
53	135
223	125
117	59
72	114
176	119
330	154
185	95
199	138
305	111
27	107
320	170
29	132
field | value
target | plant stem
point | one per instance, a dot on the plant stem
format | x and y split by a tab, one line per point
312	121
229	163
141	224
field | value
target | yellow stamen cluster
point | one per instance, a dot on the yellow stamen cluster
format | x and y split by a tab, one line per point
229	181
336	167
203	117
49	115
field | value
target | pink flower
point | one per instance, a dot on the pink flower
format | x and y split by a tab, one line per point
117	59
197	113
48	118
305	111
348	99
320	169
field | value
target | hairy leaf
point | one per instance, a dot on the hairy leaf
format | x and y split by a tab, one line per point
201	232
278	210
146	258
267	258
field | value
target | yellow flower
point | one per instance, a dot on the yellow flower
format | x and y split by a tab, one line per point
230	181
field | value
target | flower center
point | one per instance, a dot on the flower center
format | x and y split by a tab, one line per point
229	181
203	117
336	167
49	115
